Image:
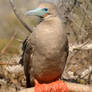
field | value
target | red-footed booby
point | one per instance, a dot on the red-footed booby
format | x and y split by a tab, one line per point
45	51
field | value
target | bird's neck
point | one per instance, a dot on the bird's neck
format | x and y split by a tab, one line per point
51	19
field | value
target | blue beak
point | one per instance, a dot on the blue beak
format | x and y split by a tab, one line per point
36	12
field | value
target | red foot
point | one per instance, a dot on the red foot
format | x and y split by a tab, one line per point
57	86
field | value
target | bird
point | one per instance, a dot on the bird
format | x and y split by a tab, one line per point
45	50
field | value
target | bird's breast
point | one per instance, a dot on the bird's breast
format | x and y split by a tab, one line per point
48	40
48	46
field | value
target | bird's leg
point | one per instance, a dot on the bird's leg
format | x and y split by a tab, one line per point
29	81
28	85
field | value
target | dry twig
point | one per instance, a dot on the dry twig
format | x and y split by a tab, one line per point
2	63
7	46
77	50
89	77
17	15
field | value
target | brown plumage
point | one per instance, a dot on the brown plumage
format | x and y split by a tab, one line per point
45	51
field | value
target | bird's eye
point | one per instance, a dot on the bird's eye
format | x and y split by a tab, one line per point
46	9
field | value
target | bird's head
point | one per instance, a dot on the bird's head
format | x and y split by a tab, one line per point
44	10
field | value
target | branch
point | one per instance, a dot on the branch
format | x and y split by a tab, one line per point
10	64
77	48
7	46
17	15
20	41
89	77
73	87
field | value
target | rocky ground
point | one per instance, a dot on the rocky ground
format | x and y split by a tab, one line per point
11	74
78	69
